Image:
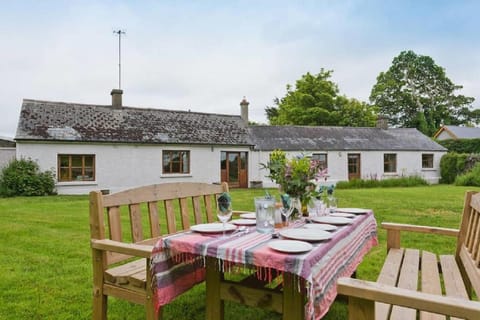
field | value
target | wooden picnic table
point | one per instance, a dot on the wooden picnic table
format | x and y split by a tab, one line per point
308	280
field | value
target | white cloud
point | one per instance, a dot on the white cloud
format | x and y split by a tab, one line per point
206	56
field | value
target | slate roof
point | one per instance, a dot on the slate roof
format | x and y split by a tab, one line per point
60	121
298	138
460	132
6	142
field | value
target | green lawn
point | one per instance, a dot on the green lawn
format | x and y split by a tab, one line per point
45	266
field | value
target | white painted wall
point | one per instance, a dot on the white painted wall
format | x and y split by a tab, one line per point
6	155
371	166
120	166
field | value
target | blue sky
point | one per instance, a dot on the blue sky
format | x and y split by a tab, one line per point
206	55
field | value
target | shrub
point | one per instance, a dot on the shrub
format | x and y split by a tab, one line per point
453	164
471	178
411	181
24	178
461	145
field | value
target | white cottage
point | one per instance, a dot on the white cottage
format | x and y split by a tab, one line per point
112	147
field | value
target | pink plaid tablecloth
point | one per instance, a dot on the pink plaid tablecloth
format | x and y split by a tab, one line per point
178	261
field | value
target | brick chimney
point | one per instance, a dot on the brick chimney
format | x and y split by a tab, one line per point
382	122
244	110
116	98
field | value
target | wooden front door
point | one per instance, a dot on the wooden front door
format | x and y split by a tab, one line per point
234	168
354	166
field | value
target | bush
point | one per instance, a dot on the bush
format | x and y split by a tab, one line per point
471	178
453	164
461	145
411	181
24	178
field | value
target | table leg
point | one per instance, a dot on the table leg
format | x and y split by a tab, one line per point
214	307
293	298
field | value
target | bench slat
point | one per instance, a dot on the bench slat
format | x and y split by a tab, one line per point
454	286
136	222
408	280
388	275
430	282
154	220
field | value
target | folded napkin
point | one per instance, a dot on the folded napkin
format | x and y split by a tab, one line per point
285	200
224	201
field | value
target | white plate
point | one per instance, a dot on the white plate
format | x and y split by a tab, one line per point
342	214
305	234
250	215
352	210
332	220
212	227
244	222
291	246
320	226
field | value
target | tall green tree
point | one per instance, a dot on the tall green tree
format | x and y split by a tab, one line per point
315	101
415	92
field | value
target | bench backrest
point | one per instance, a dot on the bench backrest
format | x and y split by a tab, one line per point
143	214
468	245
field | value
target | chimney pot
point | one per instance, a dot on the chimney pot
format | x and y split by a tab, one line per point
244	110
116	98
382	122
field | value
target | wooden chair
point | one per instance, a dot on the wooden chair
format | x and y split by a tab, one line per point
121	245
416	284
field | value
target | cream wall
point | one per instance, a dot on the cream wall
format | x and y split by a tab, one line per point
371	166
120	166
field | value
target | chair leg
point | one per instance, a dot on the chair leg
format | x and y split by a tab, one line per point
100	304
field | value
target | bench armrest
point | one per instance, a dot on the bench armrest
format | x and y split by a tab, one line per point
373	291
132	249
420	229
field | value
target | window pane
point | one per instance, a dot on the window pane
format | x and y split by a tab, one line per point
76	167
77	174
223	160
175	167
76	161
427	160
88	161
64	161
64	174
176	161
390	162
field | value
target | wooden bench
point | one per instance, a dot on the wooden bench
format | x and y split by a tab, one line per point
415	284
124	226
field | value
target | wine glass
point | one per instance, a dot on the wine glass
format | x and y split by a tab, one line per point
224	213
287	212
332	204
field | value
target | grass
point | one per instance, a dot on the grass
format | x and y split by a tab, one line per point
46	265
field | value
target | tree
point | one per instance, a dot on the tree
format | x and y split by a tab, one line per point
316	101
415	92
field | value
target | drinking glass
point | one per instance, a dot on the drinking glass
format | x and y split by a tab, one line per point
332	204
224	213
287	212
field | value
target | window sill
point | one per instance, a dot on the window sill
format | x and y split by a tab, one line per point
77	183
390	174
176	175
429	169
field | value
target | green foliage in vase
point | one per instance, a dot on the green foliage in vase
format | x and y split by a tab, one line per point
296	176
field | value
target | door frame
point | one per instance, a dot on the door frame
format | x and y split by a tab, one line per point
358	162
242	166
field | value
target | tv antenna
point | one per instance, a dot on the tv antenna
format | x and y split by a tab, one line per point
119	32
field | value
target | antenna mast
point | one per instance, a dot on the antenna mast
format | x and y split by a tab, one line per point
119	32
